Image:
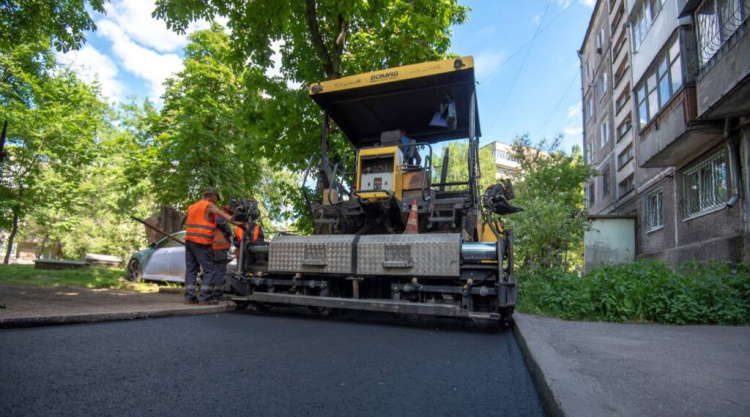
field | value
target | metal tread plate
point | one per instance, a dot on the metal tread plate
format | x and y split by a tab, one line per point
428	254
311	254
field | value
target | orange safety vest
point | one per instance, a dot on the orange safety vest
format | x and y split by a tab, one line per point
220	241
200	227
256	233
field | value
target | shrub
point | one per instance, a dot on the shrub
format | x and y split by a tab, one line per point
644	290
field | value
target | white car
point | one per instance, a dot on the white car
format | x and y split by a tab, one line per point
162	261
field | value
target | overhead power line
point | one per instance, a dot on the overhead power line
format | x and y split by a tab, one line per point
520	69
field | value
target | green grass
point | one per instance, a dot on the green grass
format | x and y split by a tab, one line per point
641	291
113	278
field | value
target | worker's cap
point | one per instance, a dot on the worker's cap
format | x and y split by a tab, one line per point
211	191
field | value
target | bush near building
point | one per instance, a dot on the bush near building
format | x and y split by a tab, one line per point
641	291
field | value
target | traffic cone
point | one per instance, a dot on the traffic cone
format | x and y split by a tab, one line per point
411	224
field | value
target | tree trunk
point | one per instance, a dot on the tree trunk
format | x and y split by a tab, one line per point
12	237
43	246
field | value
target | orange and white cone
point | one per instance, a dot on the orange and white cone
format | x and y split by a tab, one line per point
411	224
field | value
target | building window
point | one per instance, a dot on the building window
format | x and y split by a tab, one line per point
654	213
605	182
592	192
588	71
601	86
504	155
625	156
589	109
589	156
623	128
623	99
645	15
604	132
627	185
660	85
704	186
717	20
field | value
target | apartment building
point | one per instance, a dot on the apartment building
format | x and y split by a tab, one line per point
683	113
505	165
598	90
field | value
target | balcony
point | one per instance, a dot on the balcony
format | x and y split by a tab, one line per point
723	78
675	134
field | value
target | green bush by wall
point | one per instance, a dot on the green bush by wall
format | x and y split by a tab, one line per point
641	291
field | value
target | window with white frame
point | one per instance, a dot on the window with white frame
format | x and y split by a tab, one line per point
592	194
625	156
627	185
653	210
601	85
705	185
604	132
589	108
660	85
589	156
645	15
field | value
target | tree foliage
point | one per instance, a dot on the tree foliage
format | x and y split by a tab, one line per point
549	233
61	22
458	167
318	40
53	119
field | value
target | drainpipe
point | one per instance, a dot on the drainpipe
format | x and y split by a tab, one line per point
733	164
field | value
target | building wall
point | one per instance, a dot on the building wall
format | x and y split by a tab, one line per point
674	140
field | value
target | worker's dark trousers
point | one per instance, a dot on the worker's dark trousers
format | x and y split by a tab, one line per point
220	276
196	256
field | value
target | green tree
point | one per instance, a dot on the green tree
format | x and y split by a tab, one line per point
199	139
458	167
62	23
318	40
549	232
53	119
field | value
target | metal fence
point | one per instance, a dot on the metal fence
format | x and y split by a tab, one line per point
704	186
717	21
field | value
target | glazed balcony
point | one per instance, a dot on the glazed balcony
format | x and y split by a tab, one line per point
674	135
723	43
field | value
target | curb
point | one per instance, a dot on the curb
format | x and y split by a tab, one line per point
25	322
550	403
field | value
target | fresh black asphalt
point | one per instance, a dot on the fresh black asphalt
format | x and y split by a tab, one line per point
263	365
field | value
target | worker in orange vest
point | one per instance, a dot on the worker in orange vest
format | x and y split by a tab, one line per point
199	238
220	246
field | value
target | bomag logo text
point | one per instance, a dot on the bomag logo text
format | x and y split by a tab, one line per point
383	76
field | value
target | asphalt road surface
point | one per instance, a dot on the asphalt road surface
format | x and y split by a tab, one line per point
262	365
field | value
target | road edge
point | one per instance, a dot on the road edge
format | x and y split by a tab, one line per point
550	403
57	320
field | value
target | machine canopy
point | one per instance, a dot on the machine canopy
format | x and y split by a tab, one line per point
406	98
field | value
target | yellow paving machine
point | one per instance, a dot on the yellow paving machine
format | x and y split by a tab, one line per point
391	233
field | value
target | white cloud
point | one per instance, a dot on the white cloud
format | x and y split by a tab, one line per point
574	111
565	3
134	18
145	63
572	135
90	65
536	20
487	62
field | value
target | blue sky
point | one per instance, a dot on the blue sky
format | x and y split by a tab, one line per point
524	52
